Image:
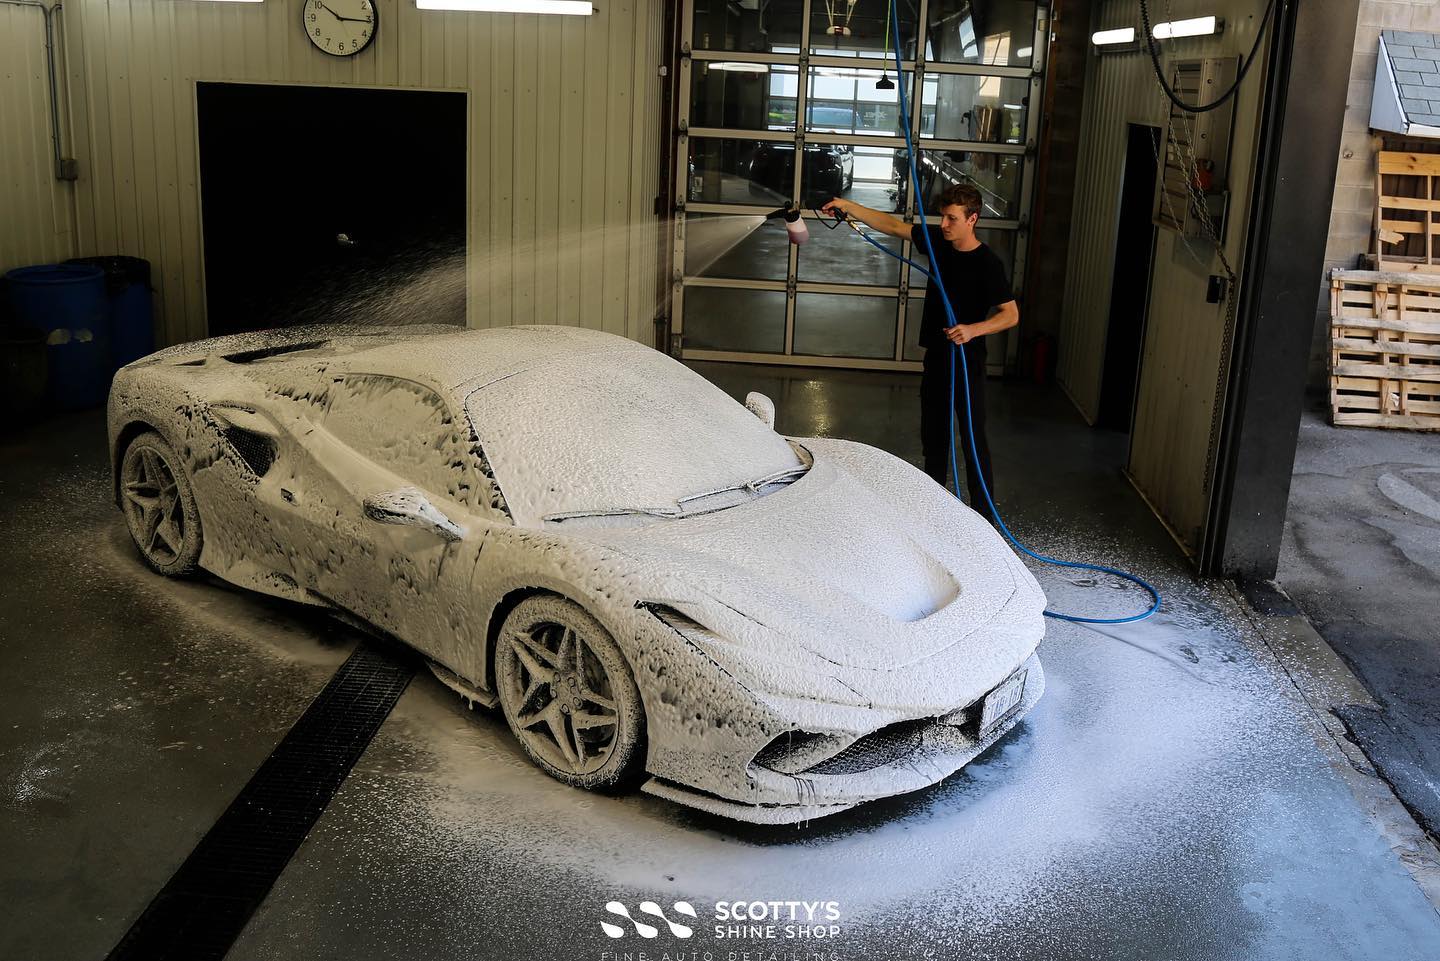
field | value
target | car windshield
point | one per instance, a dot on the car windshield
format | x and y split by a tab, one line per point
624	431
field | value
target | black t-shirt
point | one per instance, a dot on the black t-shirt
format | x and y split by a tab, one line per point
975	280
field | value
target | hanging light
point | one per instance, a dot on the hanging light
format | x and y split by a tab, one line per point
576	8
1105	38
1196	27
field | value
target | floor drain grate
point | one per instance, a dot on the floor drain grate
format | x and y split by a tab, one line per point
202	909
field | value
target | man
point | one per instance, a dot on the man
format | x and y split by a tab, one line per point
979	290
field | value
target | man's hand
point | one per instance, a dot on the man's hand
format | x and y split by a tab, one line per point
837	205
960	334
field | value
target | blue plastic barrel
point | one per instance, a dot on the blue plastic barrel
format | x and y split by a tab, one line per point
132	308
67	302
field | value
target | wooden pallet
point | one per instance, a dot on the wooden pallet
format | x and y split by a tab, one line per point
1385	349
1407	210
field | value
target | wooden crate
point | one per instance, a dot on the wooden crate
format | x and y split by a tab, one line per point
1385	349
1407	210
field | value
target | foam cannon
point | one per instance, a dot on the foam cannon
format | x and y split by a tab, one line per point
794	225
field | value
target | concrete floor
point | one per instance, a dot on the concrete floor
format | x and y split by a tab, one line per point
1361	557
1170	798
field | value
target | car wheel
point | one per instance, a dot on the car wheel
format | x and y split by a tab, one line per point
159	506
568	695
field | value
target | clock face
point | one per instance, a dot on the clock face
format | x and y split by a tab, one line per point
341	28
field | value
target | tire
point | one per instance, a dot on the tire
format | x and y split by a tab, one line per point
541	695
159	506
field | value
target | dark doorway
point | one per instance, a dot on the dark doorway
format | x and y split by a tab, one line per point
327	204
1130	284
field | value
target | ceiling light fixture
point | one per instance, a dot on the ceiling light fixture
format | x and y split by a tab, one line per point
1105	38
1196	27
738	66
574	8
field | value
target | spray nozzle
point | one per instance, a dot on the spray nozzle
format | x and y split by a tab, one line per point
790	212
794	226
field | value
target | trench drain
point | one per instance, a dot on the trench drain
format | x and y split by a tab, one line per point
202	909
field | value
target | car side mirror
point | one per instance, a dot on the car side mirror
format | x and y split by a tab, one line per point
409	507
762	407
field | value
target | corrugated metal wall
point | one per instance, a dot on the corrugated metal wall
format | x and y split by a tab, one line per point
1185	337
564	151
36	211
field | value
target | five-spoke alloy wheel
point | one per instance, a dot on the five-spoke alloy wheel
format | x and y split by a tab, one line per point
568	694
160	506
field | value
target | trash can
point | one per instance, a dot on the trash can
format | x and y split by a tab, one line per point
132	306
67	302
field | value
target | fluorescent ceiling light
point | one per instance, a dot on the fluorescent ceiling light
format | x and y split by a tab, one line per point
1013	106
739	66
1198	27
1023	52
574	8
1103	38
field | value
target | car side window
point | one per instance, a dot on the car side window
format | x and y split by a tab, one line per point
409	429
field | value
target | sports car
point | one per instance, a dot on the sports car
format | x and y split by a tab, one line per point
653	586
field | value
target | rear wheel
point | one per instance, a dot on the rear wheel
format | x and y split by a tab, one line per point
159	506
568	695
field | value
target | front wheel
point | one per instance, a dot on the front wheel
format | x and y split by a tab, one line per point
568	695
159	506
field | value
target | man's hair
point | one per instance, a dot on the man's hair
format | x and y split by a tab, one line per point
961	195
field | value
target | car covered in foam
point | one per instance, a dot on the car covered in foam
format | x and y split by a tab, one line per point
652	585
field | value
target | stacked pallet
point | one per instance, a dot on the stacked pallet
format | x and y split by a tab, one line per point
1407	210
1385	349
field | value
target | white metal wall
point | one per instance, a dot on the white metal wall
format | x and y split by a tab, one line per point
36	212
1185	337
563	142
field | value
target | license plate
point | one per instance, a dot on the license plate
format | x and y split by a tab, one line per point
1001	701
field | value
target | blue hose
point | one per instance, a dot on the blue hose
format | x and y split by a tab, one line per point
965	372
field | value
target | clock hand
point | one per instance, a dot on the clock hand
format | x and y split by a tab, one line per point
345	19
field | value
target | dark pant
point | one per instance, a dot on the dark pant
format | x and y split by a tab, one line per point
935	421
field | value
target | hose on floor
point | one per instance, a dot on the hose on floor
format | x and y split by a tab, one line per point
965	373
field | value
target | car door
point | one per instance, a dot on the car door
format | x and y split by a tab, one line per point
381	433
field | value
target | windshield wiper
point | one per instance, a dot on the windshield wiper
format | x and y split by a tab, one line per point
753	486
616	512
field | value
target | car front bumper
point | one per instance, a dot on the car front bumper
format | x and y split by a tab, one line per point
933	751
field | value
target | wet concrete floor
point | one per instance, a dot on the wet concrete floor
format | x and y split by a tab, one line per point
1361	557
1166	800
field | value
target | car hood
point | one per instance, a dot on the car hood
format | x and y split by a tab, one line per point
834	568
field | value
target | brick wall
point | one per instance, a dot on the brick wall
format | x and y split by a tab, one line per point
1352	209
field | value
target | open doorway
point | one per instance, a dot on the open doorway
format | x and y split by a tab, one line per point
327	204
1130	283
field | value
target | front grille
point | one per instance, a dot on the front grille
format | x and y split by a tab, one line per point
877	749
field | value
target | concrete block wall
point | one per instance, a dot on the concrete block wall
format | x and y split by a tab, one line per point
1352	208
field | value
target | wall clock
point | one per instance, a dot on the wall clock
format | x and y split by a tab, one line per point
341	28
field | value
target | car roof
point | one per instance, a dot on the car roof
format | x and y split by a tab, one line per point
452	360
459	362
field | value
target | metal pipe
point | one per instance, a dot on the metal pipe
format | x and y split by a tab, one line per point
49	11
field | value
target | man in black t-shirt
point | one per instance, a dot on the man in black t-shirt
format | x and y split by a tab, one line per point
980	295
